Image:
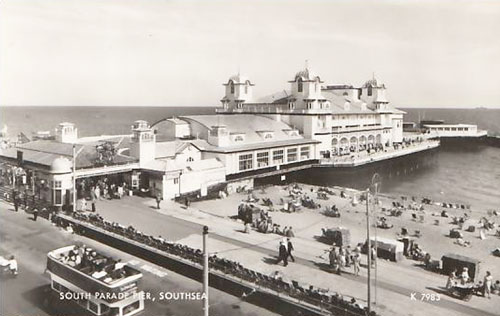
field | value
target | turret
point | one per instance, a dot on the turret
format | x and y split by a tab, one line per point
306	91
373	93
143	142
238	92
66	133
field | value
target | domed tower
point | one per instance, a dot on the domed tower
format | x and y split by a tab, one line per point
238	92
373	93
306	91
143	142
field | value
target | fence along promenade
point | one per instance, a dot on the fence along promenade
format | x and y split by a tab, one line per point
226	275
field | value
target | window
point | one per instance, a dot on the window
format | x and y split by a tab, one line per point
56	286
278	156
246	162
132	307
262	159
299	85
93	307
370	90
176	180
57	184
190	159
316	87
291	154
304	153
291	105
238	138
231	84
268	136
82	301
246	88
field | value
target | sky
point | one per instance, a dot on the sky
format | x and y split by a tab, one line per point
179	53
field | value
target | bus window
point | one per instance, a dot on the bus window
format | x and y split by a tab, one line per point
131	307
114	311
104	308
93	307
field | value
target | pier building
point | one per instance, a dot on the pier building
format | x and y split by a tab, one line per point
310	124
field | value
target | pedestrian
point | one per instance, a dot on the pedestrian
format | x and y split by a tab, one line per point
289	249
16	203
247	228
356	260
158	200
488	280
283	254
93	198
290	233
35	214
374	255
25	200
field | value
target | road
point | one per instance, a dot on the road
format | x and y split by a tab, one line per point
148	220
30	241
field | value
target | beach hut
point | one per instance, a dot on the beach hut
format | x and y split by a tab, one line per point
390	249
458	262
337	236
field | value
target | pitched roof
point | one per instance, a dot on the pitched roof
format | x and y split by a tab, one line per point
249	124
43	152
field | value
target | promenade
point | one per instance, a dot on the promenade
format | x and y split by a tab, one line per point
395	281
363	158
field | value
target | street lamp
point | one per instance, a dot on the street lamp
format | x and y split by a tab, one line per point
373	189
75	154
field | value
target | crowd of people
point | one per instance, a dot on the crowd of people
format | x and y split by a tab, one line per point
333	302
88	261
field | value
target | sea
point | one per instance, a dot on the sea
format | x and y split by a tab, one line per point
465	172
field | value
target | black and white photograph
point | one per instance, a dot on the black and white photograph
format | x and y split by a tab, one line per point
249	157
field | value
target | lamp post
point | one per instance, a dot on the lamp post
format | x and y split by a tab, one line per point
375	188
75	154
368	251
205	270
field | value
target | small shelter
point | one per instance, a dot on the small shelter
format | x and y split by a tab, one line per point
337	236
387	248
458	262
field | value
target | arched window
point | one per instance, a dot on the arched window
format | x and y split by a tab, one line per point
370	90
299	85
231	84
246	88
238	139
190	159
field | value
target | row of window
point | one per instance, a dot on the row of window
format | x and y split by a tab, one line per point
82	301
460	129
246	161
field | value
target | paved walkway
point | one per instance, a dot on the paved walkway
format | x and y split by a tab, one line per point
395	284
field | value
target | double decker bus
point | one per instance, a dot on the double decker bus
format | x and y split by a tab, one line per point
99	284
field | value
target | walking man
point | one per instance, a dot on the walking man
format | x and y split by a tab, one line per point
374	255
356	260
289	249
488	280
16	202
283	254
158	200
35	214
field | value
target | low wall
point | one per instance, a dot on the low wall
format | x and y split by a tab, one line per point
263	297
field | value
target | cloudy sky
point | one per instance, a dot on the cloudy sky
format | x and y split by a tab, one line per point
178	53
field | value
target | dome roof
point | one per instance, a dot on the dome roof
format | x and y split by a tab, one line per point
306	75
373	83
61	165
239	79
